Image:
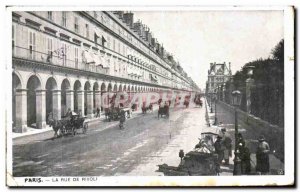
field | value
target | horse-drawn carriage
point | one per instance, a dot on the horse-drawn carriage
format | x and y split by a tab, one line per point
147	108
198	101
201	161
68	125
114	113
164	111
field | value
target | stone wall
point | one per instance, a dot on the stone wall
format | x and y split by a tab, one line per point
254	127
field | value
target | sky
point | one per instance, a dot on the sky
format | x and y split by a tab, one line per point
198	38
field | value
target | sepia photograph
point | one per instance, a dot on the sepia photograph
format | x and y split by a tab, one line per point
139	96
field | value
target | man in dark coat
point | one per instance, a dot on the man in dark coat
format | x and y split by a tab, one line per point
98	112
219	149
227	144
262	156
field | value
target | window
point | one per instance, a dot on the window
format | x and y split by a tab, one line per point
108	42
113	26
114	44
32	44
76	57
76	26
87	34
64	19
13	38
50	15
102	18
49	49
64	53
95	14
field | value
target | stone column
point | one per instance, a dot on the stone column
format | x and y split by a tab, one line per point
249	84
40	108
21	110
70	99
80	101
56	98
90	104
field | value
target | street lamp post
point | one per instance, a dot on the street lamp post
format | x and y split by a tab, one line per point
216	98
236	101
211	110
249	85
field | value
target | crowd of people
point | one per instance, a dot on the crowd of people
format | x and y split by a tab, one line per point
223	149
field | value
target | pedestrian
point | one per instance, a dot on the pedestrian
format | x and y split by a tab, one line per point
245	160
240	140
219	149
227	145
79	113
262	156
122	119
69	113
98	112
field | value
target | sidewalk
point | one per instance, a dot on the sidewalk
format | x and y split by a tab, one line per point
226	120
33	131
228	169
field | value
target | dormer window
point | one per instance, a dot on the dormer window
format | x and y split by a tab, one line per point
49	15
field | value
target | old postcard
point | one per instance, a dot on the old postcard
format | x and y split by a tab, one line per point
150	96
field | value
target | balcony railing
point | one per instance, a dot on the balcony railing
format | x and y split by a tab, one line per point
54	59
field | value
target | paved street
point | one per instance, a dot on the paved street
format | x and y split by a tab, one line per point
106	150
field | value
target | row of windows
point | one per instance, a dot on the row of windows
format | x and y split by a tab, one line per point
109	42
65	51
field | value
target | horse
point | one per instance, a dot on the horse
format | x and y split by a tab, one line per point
145	109
56	126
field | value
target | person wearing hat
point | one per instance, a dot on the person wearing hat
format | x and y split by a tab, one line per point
227	145
262	156
219	149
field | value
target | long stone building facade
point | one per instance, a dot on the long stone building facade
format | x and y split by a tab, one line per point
67	60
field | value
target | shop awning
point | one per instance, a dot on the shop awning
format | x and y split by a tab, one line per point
88	57
130	71
97	60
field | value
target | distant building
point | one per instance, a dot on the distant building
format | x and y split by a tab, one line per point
218	74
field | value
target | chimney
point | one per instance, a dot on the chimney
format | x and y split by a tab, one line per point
128	18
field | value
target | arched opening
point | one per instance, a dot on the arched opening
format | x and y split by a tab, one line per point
103	90
65	86
16	84
77	88
95	96
109	87
33	84
87	88
50	86
115	88
120	88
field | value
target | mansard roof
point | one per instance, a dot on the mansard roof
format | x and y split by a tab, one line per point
219	69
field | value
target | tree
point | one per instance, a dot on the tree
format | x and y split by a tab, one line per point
278	51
